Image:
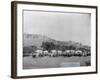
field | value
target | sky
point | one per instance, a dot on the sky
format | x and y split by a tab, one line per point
62	26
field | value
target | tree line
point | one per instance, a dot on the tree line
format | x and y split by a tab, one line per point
51	46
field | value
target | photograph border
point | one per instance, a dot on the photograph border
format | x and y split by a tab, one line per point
14	37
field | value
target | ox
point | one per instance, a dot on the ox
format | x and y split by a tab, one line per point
45	53
68	53
59	52
38	53
78	53
53	53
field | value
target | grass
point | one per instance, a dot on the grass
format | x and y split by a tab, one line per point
53	62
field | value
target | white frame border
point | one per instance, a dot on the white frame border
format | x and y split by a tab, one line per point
33	72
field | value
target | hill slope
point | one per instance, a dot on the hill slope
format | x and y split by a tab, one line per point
37	39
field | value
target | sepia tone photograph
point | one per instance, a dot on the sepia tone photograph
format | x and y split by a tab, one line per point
56	39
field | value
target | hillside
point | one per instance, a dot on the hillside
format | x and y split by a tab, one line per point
37	39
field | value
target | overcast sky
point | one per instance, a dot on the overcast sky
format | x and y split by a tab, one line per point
59	26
